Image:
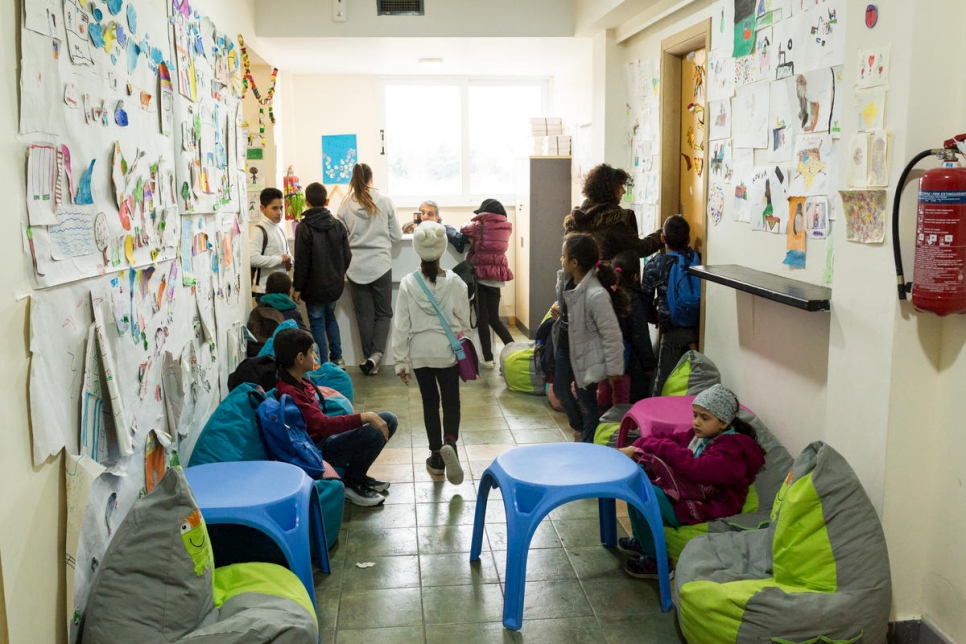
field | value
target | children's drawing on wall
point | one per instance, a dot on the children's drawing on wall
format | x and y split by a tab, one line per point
835	127
746	70
812	99
77	23
786	35
41	171
873	67
722	165
780	123
768	199
744	170
650	189
721	75
763	53
811	171
750	116
339	154
255	180
716	202
878	158
184	57
795	237
864	215
816	217
870	108
858	160
744	28
823	43
720	119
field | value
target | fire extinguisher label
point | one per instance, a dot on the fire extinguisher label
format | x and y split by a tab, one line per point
943	196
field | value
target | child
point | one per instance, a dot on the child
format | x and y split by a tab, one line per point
675	340
709	468
352	442
590	347
489	233
273	308
268	248
641	361
421	346
321	257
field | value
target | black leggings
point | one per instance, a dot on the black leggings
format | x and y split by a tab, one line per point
436	384
488	298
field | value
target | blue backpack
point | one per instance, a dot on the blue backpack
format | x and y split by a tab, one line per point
285	436
683	290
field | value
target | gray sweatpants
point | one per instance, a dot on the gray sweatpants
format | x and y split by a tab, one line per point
373	305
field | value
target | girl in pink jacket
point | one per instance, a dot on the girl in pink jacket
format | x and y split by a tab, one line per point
698	476
489	233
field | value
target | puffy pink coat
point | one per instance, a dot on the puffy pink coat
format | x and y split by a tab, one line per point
488	253
723	471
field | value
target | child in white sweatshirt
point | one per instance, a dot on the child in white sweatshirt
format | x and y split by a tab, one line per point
421	347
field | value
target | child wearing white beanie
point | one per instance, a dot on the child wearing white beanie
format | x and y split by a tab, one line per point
421	347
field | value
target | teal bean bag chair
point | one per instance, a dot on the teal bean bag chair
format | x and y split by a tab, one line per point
818	573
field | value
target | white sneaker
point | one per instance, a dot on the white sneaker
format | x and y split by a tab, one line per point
489	364
454	471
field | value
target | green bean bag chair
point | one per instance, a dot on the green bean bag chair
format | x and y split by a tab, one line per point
818	573
521	370
158	584
693	373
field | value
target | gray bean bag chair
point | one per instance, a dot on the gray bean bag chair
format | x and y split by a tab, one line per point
818	573
158	584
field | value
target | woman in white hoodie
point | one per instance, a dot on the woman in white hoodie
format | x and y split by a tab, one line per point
421	347
370	218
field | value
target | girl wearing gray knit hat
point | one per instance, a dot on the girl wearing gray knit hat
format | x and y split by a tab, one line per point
698	476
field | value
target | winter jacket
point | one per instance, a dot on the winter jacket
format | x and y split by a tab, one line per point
654	285
321	257
418	338
271	260
370	237
317	424
725	469
614	228
284	305
488	253
594	334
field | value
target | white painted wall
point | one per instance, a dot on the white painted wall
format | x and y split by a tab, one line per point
462	18
33	512
876	380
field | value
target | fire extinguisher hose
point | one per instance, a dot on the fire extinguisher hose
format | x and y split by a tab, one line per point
900	278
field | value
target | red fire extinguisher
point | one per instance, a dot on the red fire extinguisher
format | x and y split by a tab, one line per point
939	281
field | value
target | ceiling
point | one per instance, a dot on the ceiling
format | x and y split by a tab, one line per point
400	56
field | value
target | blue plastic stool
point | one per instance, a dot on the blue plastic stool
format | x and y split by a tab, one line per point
537	478
276	498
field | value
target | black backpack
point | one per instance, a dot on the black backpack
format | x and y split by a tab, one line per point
257	272
467	272
260	370
544	351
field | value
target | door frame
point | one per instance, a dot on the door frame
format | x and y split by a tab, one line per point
673	49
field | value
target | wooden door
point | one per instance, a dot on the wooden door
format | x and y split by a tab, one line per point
694	144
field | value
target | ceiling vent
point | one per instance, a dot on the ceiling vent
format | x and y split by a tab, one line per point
400	7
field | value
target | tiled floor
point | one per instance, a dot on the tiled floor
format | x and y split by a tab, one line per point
423	587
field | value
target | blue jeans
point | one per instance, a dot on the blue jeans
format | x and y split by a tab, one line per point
582	412
357	449
323	325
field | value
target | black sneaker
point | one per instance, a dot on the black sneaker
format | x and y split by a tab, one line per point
435	464
361	494
454	471
645	568
367	367
376	484
630	546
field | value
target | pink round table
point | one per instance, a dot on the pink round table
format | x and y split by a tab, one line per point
659	416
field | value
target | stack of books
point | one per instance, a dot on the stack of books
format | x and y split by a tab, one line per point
556	146
548	139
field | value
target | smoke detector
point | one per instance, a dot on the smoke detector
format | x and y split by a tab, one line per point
400	8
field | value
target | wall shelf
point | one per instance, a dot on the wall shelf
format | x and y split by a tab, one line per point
801	295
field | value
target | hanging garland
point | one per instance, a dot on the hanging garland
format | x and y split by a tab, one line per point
249	81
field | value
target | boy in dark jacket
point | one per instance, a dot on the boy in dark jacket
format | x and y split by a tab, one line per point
675	340
321	257
352	442
274	307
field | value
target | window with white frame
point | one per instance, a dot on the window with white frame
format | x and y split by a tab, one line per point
457	141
